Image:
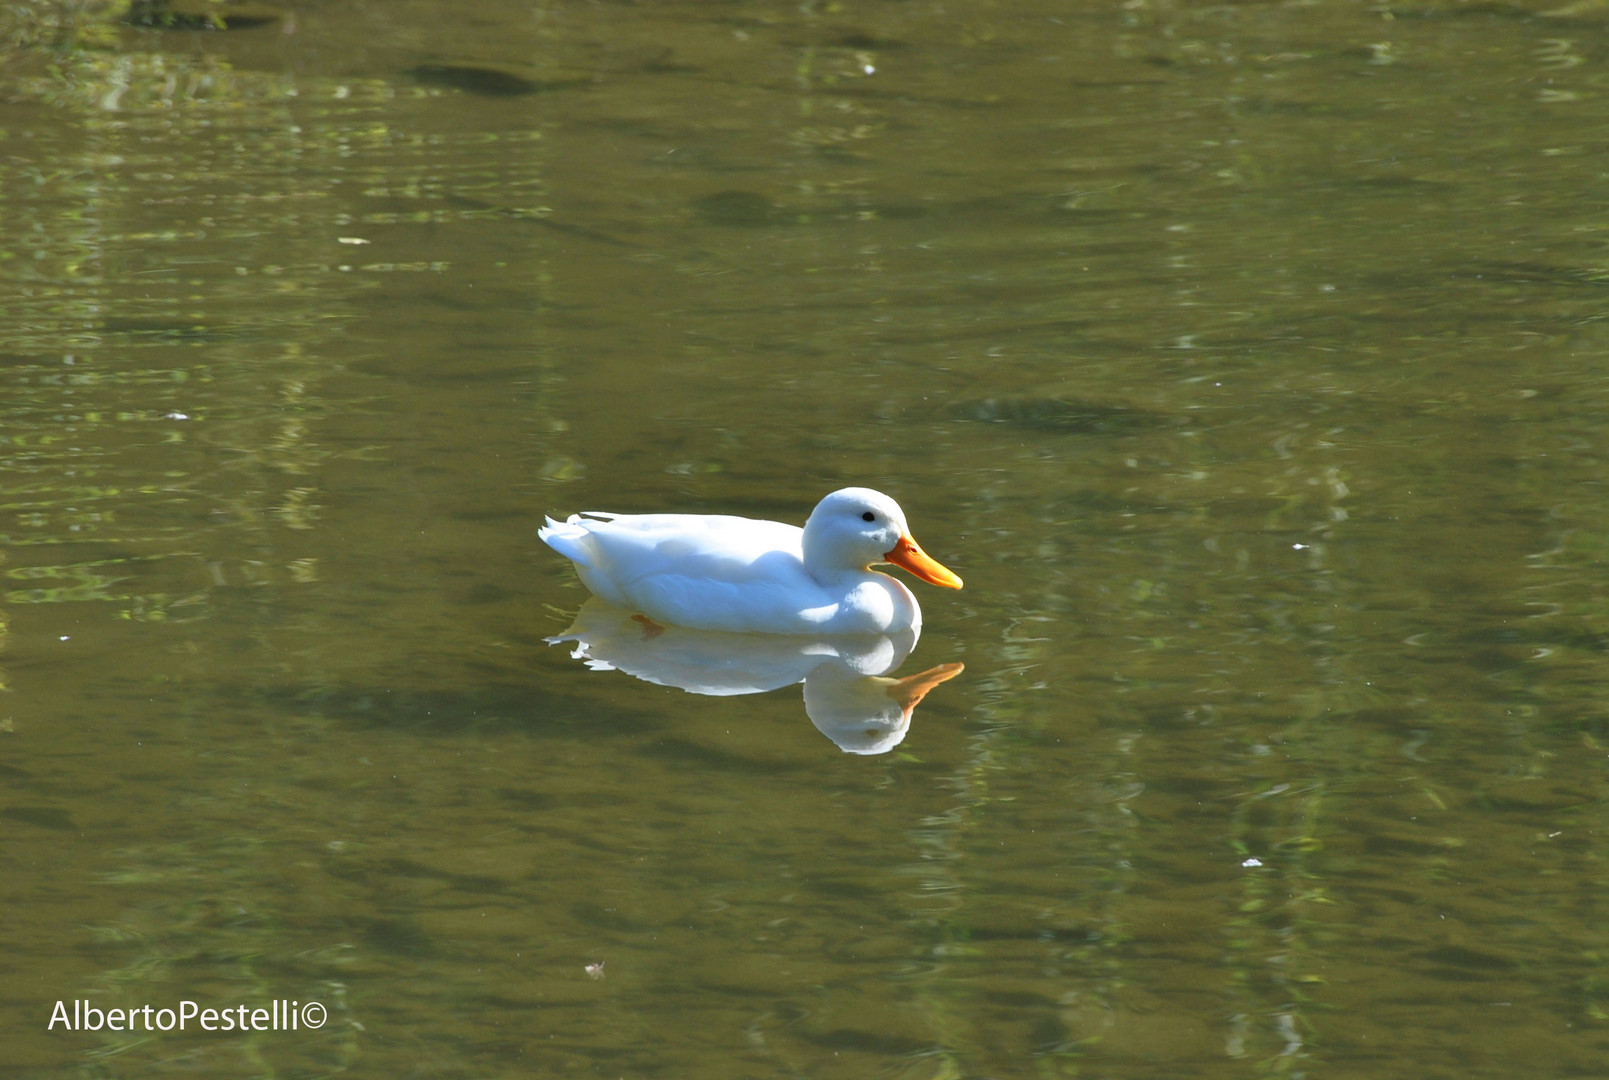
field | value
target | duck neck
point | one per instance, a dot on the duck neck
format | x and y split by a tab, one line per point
825	561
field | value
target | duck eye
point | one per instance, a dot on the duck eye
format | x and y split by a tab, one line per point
868	516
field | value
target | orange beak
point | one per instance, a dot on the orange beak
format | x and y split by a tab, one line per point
909	555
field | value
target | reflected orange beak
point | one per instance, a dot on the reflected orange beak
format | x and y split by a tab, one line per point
909	555
910	690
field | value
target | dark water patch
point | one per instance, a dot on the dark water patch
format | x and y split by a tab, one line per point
664	63
1491	661
1090	503
440	711
866	1042
463	372
674	749
740	991
1530	273
1512	12
570	229
867	41
1021	210
1063	415
737	210
1018	999
475	883
45	817
540	216
488	81
201	15
398	937
526	799
489	708
487	593
1264	106
1474	960
1394	718
1397	844
600	917
1532	798
983	932
1389	182
845	889
1500	635
1201	788
318	784
581	838
167	330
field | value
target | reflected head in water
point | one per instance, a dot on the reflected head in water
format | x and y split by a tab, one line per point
719	572
868	714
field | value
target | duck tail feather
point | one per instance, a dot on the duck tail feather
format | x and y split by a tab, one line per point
568	538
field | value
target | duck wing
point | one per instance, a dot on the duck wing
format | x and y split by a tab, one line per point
712	572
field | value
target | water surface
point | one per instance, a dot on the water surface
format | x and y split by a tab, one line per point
1246	361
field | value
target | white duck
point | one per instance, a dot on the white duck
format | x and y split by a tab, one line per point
713	572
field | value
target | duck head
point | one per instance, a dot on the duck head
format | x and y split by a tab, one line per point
853	528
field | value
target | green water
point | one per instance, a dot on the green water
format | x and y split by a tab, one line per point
1248	362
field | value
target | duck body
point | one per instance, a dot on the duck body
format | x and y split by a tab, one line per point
717	572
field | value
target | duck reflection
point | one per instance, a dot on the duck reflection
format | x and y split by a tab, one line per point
847	692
